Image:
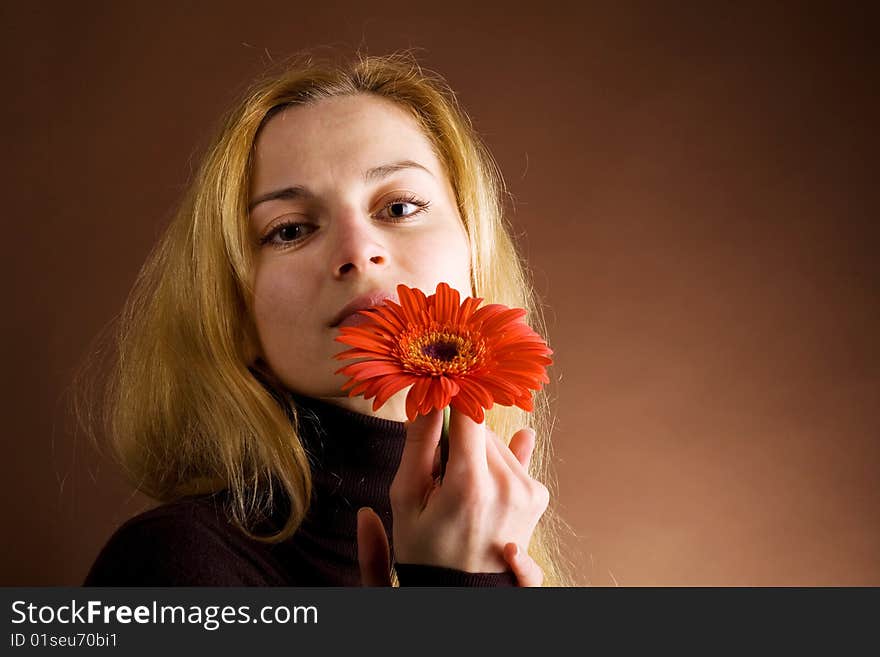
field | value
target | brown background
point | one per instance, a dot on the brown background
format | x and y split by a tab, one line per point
696	193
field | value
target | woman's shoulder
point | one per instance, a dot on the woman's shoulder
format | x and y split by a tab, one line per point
189	542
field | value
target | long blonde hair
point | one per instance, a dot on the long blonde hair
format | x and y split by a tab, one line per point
183	408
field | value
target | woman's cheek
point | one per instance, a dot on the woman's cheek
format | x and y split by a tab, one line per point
445	256
438	250
278	300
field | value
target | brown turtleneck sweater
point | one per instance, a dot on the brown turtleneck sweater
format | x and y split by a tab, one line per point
190	542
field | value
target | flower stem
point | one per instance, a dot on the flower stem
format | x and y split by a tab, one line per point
444	443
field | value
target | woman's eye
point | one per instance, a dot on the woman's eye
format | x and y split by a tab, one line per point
405	207
290	233
399	209
285	234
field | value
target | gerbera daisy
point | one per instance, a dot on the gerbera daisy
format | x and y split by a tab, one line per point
449	352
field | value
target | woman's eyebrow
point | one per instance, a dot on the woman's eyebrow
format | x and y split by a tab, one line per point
371	175
385	170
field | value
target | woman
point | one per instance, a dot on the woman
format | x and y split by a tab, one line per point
327	186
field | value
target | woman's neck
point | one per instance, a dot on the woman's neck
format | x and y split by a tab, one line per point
394	409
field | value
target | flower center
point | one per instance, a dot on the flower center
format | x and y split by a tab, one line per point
440	350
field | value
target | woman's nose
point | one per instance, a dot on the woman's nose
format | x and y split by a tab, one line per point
359	246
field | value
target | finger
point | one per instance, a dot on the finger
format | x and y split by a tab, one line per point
503	462
435	468
527	571
374	555
506	454
498	460
522	445
414	474
467	445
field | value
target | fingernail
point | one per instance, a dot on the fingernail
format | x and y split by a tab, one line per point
515	550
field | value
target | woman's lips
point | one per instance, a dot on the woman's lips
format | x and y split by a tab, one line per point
355	319
364	301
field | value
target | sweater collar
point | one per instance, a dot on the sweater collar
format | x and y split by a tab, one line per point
335	436
354	458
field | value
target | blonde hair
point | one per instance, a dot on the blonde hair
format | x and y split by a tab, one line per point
183	411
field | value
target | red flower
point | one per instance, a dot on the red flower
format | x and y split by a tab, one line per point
449	353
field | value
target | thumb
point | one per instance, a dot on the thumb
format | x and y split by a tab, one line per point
526	569
374	555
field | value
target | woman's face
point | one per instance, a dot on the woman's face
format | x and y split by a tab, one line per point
338	210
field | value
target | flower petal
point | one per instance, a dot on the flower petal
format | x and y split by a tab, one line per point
386	319
364	341
433	397
520	366
396	311
359	388
441	392
450	388
465	402
371	368
526	403
393	385
446	304
501	395
520	380
467	309
485	313
421	299
475	388
364	353
416	395
496	378
410	303
498	320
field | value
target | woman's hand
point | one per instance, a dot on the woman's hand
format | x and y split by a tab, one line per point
374	555
487	498
526	569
